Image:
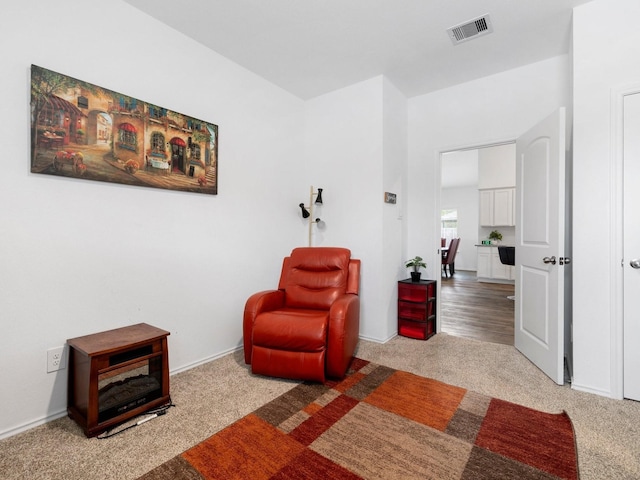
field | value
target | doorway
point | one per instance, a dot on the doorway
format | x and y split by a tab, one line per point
477	309
177	154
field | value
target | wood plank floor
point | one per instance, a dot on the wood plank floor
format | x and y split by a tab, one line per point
477	310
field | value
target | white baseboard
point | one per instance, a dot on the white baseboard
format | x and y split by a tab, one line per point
377	340
61	413
32	424
595	391
55	415
202	361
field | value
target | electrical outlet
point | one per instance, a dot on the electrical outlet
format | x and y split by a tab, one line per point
55	359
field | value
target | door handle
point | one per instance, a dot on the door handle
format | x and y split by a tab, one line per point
635	263
551	260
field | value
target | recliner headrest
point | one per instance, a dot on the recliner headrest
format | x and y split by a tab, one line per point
316	276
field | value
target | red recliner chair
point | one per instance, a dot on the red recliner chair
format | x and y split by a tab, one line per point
307	329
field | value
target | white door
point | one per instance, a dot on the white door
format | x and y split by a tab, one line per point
631	255
540	255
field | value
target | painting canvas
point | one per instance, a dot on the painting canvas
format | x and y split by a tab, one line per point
88	132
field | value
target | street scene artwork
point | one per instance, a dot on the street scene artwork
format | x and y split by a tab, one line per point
84	131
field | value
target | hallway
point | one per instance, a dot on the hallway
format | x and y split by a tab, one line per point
477	310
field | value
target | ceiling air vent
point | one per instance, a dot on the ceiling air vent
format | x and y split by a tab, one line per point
471	29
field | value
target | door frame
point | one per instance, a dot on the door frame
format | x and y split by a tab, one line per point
436	259
617	236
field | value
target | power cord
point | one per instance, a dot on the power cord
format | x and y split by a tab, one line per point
150	415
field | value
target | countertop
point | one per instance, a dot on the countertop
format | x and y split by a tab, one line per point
493	245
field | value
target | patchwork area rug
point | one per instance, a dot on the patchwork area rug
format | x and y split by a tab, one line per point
382	423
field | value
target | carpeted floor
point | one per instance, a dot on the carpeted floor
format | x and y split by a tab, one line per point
382	423
212	396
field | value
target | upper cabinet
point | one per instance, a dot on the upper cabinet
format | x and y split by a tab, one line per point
496	185
497	207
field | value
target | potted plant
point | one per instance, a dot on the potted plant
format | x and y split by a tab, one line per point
416	263
496	236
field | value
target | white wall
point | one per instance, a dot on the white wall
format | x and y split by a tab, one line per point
605	58
483	112
497	166
353	136
394	167
79	257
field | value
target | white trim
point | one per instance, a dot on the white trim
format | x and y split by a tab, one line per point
61	413
32	424
617	236
595	391
436	258
208	359
477	146
377	340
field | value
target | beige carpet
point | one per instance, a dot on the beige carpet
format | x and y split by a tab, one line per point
214	395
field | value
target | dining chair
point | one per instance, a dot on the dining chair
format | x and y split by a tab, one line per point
449	257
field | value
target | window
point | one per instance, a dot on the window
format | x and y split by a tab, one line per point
83	102
449	224
195	151
157	113
127	136
127	104
51	116
193	125
157	143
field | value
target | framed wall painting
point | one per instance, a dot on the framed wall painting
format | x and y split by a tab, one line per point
84	131
389	197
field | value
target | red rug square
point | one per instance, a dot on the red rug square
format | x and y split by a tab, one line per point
421	399
543	440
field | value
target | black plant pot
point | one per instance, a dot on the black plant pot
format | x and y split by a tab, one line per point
415	276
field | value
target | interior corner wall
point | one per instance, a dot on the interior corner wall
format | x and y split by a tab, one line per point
490	110
344	141
605	58
79	257
394	167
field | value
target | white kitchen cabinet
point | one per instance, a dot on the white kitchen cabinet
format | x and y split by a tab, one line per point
484	262
490	268
486	208
497	207
499	271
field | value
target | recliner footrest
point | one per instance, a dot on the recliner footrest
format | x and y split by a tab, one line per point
288	364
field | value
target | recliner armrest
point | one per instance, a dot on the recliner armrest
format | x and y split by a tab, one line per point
257	303
343	334
341	308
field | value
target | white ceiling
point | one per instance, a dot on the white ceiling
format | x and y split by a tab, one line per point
311	47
